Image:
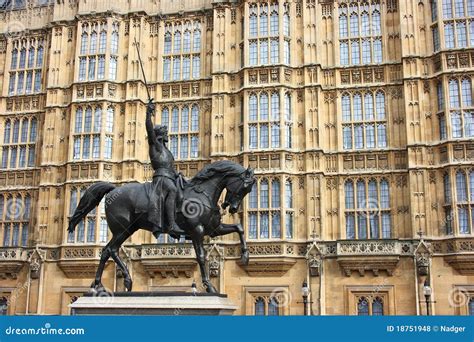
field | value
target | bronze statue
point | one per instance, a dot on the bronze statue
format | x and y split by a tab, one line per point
164	194
126	209
152	206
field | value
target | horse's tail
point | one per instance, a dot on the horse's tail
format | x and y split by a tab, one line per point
91	199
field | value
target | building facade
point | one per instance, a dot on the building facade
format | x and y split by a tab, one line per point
357	117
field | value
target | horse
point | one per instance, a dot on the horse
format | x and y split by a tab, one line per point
198	213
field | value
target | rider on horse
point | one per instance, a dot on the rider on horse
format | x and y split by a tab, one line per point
162	210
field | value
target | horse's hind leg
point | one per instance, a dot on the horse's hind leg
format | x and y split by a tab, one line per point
114	253
97	284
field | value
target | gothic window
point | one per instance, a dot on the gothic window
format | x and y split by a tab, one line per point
364	120
464	200
443	132
184	130
93	52
182	51
360	33
266	213
461	108
93	228
93	133
370	306
458	23
25	73
264	120
367	209
19	144
264	34
267	305
448	211
15	213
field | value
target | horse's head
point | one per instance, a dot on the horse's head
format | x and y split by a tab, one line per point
237	188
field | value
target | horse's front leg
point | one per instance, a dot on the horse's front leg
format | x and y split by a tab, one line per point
224	229
198	243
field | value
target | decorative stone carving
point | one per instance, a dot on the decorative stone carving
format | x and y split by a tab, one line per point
422	258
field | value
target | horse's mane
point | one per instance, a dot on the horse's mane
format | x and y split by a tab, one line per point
221	166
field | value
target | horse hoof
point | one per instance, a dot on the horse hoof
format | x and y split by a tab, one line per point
244	258
127	284
97	288
210	288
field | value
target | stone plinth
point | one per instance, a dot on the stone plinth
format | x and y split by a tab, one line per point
153	303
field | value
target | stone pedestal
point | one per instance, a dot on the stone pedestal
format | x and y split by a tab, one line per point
153	303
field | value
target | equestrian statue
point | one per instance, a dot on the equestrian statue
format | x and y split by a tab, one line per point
168	205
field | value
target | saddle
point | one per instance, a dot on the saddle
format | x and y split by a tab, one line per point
142	206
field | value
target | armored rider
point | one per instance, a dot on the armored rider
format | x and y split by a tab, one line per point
162	211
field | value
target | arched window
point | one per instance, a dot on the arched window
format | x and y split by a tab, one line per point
288	194
253	107
88	120
97	119
22	58
253	22
24	131
466	91
195	118
109	124
273	307
102	41
187	41
16	131
7	132
447	189
184	119
377	307
263	106
264	194
253	197
78	123
114	41
84	41
274	25
174	120
276	193
461	188
453	94
39	57
259	307
177	42
31	57
363	307
33	130
197	38
14	62
165	114
264	20
93	44
275	106
167	44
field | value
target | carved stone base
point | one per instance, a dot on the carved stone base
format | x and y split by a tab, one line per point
464	264
361	265
268	267
153	303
